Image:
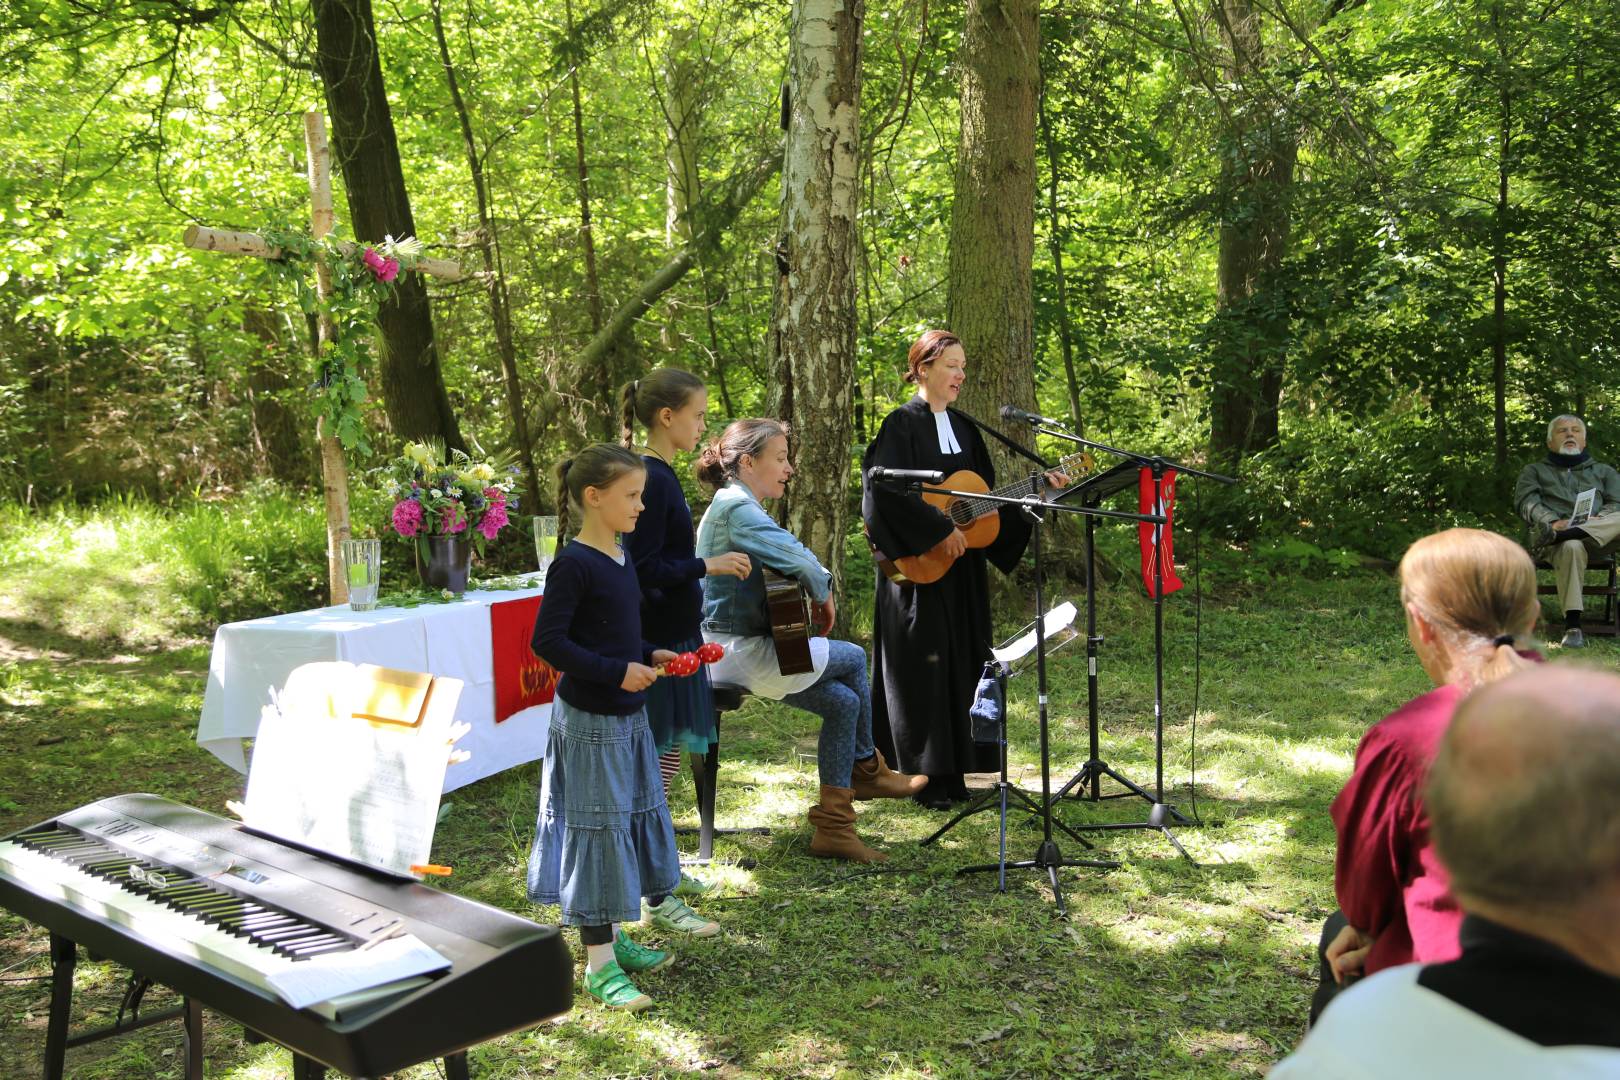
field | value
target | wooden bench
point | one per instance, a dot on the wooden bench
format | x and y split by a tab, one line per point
1608	592
705	777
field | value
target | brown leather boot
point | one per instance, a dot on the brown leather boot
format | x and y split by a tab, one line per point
835	835
873	779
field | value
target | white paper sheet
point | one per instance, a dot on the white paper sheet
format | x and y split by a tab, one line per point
1057	620
367	792
399	960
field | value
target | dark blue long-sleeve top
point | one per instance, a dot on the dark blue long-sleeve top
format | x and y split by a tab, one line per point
664	552
590	629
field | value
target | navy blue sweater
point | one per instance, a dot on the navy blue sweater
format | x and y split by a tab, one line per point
590	629
664	549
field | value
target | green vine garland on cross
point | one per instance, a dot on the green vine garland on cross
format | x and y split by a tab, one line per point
362	280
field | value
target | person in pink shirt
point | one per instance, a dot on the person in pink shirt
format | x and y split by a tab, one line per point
1470	600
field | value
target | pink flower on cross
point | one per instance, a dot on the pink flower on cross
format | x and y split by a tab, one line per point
384	270
407	517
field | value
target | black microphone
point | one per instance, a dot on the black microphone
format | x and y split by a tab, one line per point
1013	412
909	476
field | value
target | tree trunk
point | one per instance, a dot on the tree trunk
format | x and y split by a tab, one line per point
816	320
500	311
1500	230
1257	174
368	155
597	382
992	299
1055	233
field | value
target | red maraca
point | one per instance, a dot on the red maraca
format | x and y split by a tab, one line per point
710	651
683	664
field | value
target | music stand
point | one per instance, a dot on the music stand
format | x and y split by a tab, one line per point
1089	778
1048	856
1010	659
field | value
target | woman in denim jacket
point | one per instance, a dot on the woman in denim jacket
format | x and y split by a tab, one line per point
747	465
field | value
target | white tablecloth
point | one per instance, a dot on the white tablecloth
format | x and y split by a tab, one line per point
251	658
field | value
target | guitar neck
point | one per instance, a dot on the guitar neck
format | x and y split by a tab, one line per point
1022	488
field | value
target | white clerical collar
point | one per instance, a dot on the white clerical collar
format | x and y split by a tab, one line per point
947	437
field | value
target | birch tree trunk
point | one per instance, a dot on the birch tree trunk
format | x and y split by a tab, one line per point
991	292
816	318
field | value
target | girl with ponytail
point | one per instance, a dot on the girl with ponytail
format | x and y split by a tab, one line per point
604	841
1470	601
671	406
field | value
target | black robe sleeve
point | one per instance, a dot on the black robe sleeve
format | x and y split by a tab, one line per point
899	522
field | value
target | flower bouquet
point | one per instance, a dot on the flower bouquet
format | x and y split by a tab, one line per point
447	505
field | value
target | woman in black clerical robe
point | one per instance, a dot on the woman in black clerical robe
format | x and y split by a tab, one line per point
931	641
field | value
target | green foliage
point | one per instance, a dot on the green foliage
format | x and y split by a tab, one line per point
128	362
128	573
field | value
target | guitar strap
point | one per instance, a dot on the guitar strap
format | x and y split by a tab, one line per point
1010	444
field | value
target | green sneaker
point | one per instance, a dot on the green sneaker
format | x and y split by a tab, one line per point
673	915
691	886
613	988
634	957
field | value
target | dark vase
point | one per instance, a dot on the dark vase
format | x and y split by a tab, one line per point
442	561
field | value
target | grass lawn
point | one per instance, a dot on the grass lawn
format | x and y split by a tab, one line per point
1161	968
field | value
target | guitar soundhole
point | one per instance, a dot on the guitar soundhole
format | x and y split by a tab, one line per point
961	513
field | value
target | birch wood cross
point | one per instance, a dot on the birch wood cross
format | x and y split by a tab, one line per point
334	466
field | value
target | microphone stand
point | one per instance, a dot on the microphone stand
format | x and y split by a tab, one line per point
1048	856
1162	815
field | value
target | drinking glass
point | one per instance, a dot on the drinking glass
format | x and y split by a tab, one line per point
362	569
545	541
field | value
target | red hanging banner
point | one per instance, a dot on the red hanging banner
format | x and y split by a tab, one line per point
522	679
1147	533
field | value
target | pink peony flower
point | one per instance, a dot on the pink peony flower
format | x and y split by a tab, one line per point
374	261
407	517
453	520
389	271
495	518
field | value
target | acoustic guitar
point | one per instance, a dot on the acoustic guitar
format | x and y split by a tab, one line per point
788	606
979	520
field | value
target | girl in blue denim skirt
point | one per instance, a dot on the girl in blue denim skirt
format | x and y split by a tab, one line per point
604	839
671	405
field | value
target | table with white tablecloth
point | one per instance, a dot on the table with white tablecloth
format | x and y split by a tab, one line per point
252	659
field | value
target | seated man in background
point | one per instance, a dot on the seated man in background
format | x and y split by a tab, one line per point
1545	497
1524	810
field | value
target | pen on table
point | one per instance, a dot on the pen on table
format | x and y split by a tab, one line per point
387	931
431	869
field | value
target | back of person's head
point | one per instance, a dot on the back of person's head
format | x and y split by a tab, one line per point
925	350
719	461
662	388
597	466
1524	795
1474	588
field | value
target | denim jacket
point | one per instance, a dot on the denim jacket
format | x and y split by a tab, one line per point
735	521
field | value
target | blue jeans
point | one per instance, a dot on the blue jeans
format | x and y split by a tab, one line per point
842	697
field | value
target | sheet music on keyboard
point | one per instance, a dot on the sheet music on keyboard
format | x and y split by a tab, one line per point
362	790
399	961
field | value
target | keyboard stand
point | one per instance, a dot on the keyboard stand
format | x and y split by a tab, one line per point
58	1034
58	1037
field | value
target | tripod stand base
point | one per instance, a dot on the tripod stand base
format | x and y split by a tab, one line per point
1049	859
1161	815
1002	796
